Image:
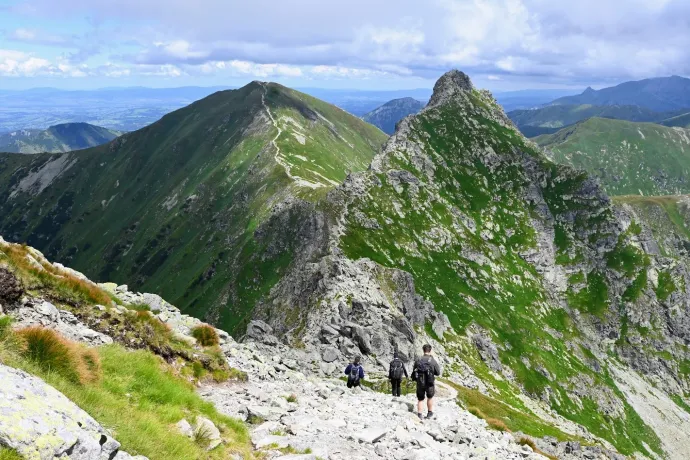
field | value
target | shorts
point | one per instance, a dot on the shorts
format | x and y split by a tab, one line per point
425	392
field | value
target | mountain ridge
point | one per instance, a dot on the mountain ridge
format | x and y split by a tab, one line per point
57	139
658	94
389	114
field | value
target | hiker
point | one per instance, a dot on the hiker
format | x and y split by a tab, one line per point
395	374
355	373
424	372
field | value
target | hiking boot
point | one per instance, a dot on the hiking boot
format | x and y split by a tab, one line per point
421	417
430	415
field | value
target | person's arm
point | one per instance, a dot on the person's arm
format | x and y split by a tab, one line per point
361	372
348	369
405	371
437	368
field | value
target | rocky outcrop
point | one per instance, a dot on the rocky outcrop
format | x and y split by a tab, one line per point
39	312
41	423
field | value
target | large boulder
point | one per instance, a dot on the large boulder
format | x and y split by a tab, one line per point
40	422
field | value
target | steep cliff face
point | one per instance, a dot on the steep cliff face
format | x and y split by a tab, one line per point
523	271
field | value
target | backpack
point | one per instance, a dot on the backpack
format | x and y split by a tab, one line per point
354	374
425	372
396	369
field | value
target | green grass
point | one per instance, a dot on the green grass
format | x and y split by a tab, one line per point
666	286
629	158
489	408
140	385
681	403
9	454
593	298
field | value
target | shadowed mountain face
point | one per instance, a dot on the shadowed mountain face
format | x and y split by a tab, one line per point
628	158
56	139
179	206
390	113
533	286
658	94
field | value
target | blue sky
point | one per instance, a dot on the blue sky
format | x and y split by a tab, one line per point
391	44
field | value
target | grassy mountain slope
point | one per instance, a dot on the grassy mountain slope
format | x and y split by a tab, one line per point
681	121
658	94
629	158
549	119
57	139
390	113
177	207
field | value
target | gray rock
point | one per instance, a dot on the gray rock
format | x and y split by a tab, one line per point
39	422
185	428
330	354
206	429
372	434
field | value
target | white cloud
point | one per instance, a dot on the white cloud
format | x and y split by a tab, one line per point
585	40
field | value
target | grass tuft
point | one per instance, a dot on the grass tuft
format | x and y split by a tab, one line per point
496	424
205	335
54	353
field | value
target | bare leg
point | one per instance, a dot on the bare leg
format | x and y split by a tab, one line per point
420	407
430	404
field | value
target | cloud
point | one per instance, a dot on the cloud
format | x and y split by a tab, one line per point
587	40
39	37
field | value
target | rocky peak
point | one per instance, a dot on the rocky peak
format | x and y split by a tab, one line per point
450	84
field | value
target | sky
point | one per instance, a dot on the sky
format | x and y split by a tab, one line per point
361	44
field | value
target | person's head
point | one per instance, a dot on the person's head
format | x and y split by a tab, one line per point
357	360
426	349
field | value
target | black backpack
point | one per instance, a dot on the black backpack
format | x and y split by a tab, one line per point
396	369
425	372
354	374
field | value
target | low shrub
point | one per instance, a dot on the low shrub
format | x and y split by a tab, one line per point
205	335
54	353
292	398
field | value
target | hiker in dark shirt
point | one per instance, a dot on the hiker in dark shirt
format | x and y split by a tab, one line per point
395	373
355	373
424	372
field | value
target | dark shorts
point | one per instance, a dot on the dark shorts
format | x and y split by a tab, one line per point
425	392
351	384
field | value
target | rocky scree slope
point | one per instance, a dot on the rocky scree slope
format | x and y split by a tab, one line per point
390	113
56	139
628	158
532	282
183	206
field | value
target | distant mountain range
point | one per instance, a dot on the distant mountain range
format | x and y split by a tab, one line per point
56	139
628	158
658	94
390	113
549	119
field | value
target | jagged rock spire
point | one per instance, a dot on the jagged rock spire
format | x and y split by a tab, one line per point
449	84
